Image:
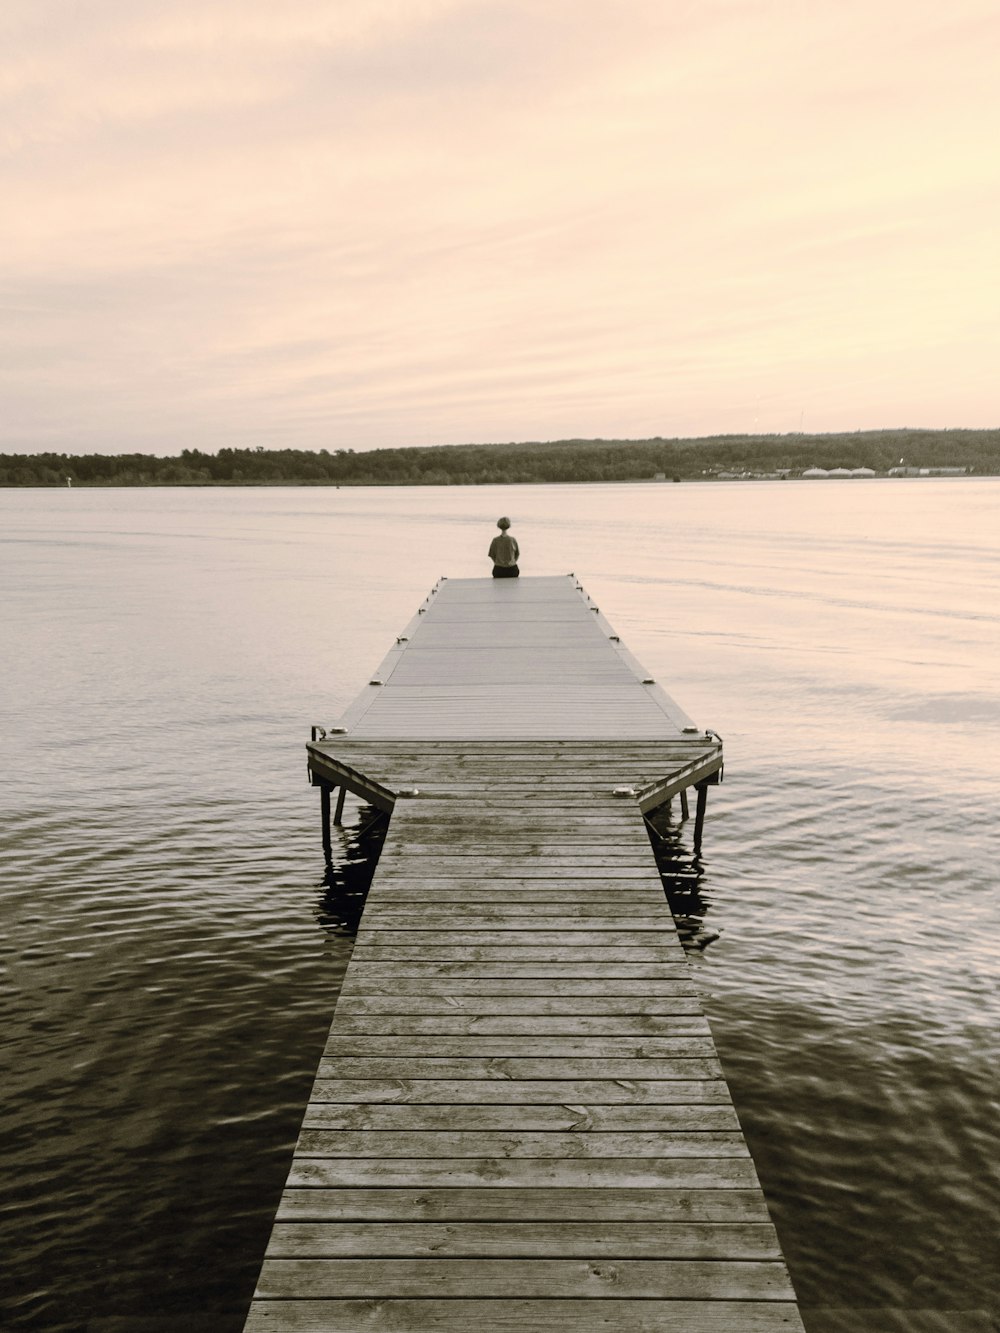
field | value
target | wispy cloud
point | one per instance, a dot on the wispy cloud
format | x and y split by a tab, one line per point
440	220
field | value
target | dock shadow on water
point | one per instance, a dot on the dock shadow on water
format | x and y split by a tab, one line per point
682	872
349	872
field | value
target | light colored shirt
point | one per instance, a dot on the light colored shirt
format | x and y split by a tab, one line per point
504	551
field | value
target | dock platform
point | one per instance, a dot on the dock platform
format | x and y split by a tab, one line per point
520	1120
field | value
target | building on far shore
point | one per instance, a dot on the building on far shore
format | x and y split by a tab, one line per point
905	471
821	472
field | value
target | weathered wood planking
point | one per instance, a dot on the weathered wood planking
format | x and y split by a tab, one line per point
529	1240
547	1315
520	1121
527	1116
339	1279
528	659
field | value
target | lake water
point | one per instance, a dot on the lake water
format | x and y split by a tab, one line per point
171	957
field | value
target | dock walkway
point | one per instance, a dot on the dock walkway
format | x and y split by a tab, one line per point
520	1120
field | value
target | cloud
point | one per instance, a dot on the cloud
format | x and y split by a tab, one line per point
344	226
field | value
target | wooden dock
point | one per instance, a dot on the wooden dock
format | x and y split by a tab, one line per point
520	1120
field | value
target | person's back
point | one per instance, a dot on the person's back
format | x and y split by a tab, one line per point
504	553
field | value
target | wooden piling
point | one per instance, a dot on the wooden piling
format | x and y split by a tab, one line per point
324	808
699	814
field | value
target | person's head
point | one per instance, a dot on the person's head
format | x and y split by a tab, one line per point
503	524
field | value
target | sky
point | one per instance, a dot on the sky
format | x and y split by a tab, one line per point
353	224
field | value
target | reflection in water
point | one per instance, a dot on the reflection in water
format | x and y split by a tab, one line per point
683	874
350	871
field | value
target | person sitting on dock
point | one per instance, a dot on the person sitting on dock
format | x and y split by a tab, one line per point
504	553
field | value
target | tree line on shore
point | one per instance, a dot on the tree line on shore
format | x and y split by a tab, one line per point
529	462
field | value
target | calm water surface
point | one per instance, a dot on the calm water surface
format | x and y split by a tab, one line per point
171	958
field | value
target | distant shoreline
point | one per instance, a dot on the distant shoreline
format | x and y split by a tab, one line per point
872	454
469	485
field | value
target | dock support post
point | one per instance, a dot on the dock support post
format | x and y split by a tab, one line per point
699	814
684	806
338	814
324	808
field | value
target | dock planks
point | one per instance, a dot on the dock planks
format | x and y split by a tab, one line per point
519	1120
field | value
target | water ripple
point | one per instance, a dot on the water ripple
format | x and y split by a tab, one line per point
173	945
